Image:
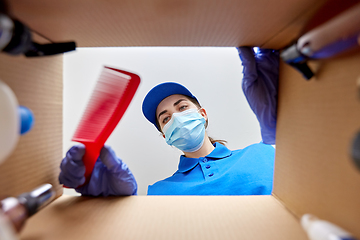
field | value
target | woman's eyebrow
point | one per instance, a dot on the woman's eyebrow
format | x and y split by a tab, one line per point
176	103
162	113
179	101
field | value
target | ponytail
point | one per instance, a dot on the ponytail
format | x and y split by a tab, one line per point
213	141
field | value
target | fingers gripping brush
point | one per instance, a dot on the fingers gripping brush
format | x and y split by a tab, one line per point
108	103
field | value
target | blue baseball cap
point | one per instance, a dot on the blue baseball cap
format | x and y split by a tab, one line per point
159	93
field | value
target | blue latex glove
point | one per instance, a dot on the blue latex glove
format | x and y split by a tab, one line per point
260	86
110	176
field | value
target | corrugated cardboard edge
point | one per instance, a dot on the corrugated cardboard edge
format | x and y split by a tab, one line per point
283	204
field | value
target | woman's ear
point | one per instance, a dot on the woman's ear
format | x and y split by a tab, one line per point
203	113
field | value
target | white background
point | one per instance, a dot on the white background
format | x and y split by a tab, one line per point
213	75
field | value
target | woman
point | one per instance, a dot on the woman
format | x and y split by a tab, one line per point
207	167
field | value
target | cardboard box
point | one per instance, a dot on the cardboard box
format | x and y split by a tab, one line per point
317	121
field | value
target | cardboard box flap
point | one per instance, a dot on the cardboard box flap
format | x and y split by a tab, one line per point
167	22
317	122
159	217
37	84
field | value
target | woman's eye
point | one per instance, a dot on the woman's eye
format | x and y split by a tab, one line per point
165	120
182	108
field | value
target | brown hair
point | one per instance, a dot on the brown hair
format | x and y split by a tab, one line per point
194	101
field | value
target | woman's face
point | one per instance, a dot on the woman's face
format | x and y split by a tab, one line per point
174	104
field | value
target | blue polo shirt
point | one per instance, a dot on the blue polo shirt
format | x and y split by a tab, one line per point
247	171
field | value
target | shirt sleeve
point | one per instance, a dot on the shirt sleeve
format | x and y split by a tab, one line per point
260	86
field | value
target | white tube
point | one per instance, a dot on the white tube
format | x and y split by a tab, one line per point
6	30
7	232
9	121
317	229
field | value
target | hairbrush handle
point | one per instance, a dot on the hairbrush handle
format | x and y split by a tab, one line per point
92	153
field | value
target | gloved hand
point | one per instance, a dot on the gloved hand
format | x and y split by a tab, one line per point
110	176
260	86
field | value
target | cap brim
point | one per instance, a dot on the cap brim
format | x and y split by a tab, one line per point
159	93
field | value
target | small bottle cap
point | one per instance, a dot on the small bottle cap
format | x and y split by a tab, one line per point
26	119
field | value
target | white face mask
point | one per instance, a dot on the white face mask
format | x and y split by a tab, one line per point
185	130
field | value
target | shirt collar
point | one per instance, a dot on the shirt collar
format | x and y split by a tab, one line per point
186	164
